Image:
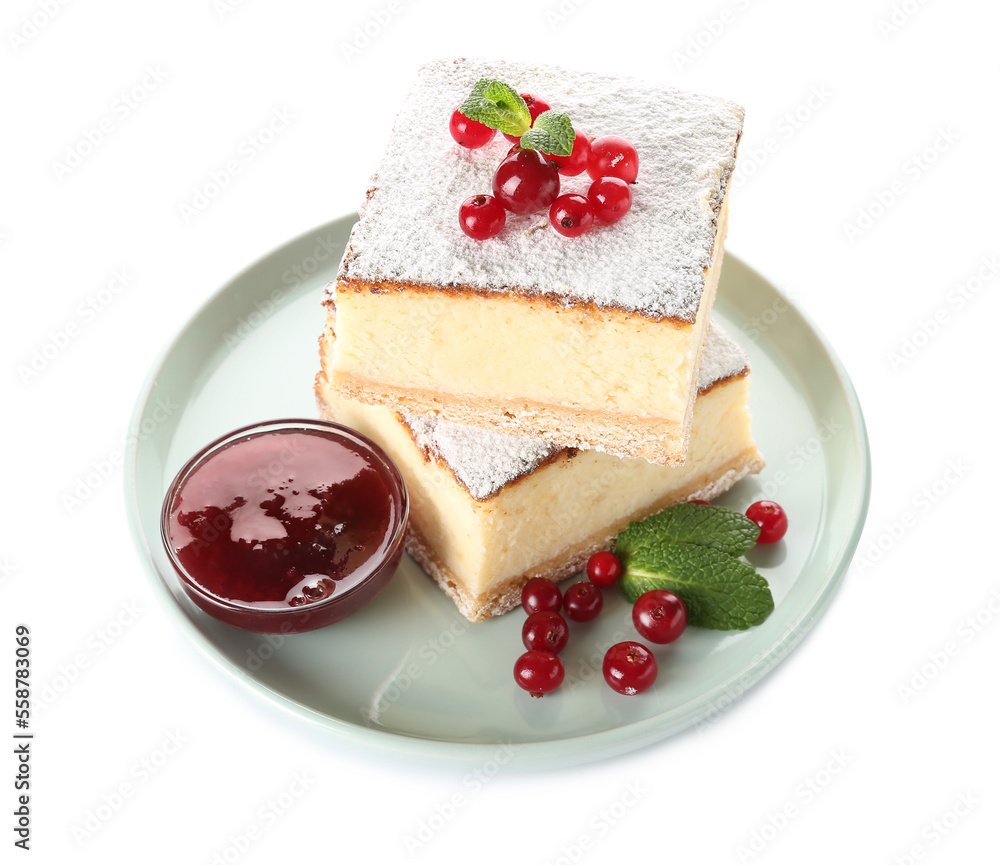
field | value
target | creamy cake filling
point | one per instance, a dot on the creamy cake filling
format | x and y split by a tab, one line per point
531	359
490	510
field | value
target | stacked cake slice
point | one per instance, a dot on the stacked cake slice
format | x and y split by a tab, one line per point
593	341
490	510
539	392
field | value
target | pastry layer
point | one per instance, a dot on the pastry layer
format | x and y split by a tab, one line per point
591	342
583	377
489	511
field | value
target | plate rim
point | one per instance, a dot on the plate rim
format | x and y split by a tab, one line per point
565	751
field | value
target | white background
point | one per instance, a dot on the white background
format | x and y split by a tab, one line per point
905	97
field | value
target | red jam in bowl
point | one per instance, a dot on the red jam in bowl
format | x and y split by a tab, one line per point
285	526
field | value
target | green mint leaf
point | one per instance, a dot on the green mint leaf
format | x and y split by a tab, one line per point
498	106
710	526
551	133
720	591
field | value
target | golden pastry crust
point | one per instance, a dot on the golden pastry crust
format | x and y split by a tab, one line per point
507	596
657	441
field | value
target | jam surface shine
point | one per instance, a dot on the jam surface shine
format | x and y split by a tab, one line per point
282	519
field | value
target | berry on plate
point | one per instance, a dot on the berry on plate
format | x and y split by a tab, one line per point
583	601
629	668
545	631
540	593
604	569
771	518
659	616
538	672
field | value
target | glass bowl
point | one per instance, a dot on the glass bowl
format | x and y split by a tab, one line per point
285	526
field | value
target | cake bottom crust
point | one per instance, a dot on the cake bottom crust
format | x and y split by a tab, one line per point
657	441
507	595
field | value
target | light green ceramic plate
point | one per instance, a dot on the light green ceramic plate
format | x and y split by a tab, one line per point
408	674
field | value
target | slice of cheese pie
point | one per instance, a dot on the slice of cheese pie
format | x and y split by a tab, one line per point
489	510
592	342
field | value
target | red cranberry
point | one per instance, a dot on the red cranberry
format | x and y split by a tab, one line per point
525	182
545	631
469	133
538	672
540	593
583	601
613	156
482	217
604	569
771	518
571	215
611	198
659	616
629	668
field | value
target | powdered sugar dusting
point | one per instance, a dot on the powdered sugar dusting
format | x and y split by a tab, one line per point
721	359
482	460
652	262
485	461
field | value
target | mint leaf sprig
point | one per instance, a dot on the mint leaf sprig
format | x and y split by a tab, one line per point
551	133
691	550
500	106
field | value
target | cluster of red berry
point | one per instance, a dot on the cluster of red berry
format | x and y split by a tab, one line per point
629	667
659	616
528	180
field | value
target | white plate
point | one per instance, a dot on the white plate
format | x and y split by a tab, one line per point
408	674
